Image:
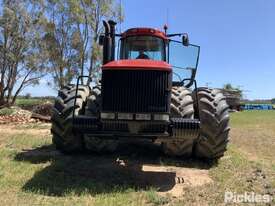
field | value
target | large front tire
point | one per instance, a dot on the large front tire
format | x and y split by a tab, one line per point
181	106
214	117
93	143
63	136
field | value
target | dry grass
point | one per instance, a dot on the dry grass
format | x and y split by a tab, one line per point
32	172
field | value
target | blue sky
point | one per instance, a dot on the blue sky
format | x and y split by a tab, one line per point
237	39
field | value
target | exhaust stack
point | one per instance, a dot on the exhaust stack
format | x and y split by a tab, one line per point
109	41
113	37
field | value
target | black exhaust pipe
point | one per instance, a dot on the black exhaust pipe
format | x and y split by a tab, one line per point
113	37
107	43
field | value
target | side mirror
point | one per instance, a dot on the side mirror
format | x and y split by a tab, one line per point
101	40
185	40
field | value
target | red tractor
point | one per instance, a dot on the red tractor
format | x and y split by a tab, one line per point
144	93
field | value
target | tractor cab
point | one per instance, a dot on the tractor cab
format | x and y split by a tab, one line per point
152	45
143	43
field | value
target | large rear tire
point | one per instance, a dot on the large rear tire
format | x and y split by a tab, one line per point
93	143
181	106
63	136
214	117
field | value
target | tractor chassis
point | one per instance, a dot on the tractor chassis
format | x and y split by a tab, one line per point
177	128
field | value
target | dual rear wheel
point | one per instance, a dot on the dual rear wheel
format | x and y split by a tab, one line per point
87	103
213	112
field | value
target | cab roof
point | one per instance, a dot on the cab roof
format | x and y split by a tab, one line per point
144	31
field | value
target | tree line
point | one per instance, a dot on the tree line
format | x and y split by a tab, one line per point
57	39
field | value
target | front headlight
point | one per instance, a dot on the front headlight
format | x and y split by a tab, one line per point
105	115
161	117
125	116
143	116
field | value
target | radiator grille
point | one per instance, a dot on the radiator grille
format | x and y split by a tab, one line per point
136	91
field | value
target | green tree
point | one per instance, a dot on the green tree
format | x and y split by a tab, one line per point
58	45
230	87
99	10
88	16
273	101
21	64
72	31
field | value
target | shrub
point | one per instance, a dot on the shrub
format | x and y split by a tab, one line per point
6	111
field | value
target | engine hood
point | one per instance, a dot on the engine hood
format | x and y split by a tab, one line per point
137	64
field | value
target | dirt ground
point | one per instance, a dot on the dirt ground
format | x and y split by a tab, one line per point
147	170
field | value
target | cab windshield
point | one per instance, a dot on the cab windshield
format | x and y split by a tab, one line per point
143	47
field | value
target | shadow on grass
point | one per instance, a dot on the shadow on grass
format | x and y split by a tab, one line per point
94	174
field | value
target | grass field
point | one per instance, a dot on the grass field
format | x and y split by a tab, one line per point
26	103
32	172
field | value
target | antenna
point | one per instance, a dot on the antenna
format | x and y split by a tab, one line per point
165	27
